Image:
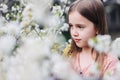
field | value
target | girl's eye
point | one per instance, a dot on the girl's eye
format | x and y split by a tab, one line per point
70	25
81	27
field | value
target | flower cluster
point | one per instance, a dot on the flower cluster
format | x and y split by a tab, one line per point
32	43
104	44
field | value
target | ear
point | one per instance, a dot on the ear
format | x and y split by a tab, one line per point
97	31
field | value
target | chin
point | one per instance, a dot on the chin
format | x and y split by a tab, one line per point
81	45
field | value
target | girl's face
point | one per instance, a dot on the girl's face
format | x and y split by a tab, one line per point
81	29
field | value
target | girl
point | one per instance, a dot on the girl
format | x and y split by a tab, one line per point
86	20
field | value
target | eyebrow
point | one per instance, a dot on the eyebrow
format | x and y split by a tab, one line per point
77	24
69	23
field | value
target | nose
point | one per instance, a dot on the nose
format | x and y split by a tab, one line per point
75	32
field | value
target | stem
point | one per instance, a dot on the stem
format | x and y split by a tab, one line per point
40	35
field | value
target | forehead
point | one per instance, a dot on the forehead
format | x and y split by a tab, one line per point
77	18
74	16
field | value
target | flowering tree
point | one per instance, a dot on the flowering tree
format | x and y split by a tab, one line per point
30	38
31	41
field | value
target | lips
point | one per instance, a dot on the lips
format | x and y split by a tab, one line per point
76	40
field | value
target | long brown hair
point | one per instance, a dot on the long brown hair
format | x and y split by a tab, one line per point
94	11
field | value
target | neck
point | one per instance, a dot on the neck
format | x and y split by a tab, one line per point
86	50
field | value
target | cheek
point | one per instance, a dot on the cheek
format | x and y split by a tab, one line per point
88	34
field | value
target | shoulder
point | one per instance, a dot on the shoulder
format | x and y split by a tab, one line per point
110	63
110	59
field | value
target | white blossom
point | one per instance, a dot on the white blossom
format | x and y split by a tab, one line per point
115	47
91	43
27	16
57	10
27	61
63	1
3	8
109	77
65	27
1	21
118	67
101	43
22	71
117	71
52	21
62	69
15	8
94	69
70	40
7	16
12	28
67	9
40	8
7	44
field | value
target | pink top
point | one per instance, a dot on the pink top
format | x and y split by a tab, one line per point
109	65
